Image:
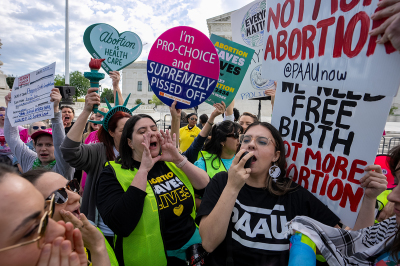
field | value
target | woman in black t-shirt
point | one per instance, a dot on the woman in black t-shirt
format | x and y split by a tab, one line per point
244	212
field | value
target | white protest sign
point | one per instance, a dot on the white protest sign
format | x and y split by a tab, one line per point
30	97
326	43
248	29
330	137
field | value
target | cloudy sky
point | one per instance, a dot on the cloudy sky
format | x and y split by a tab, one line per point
32	32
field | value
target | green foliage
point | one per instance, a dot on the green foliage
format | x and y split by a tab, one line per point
10	81
59	80
77	80
107	94
156	101
392	109
139	101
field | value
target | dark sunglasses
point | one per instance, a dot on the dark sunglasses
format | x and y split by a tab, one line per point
37	127
1	115
192	118
233	135
61	195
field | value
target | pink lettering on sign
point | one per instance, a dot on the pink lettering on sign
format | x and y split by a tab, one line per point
23	80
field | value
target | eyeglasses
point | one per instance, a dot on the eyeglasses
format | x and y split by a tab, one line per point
37	127
1	115
61	195
41	231
262	141
233	135
192	118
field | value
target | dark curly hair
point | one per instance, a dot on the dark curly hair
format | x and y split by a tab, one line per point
218	135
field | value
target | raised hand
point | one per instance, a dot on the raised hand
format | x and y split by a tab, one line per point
219	110
7	98
115	77
55	96
91	98
373	181
175	113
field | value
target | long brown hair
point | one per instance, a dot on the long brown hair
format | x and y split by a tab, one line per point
106	138
283	184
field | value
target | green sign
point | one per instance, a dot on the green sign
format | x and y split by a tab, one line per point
234	61
118	50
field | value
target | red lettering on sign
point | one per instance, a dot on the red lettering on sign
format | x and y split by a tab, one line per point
339	189
275	18
308	42
283	22
295	33
354	169
341	164
317	175
303	176
354	199
314	156
323	25
281	43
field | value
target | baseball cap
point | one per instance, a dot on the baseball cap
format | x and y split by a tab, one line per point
37	134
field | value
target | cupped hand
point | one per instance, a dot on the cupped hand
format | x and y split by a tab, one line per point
91	99
219	109
175	113
373	181
59	253
115	77
169	151
237	174
147	160
90	235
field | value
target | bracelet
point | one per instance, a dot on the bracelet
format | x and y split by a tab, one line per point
211	124
181	164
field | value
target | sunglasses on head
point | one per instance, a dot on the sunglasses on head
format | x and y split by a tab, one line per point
61	195
37	127
42	228
233	135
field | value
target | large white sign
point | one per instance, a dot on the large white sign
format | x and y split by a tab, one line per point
330	137
336	86
248	25
326	43
30	97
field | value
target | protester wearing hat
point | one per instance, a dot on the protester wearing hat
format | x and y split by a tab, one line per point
189	132
48	154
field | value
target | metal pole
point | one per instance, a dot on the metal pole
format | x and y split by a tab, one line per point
66	45
259	110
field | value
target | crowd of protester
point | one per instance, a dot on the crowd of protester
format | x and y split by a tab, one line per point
119	191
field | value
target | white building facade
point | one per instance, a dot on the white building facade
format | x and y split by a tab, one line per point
135	82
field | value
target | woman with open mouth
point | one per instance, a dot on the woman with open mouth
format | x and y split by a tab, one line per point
67	209
29	236
244	212
146	197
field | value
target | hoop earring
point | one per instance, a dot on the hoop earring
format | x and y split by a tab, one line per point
274	172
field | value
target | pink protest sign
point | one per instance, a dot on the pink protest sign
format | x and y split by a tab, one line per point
183	65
